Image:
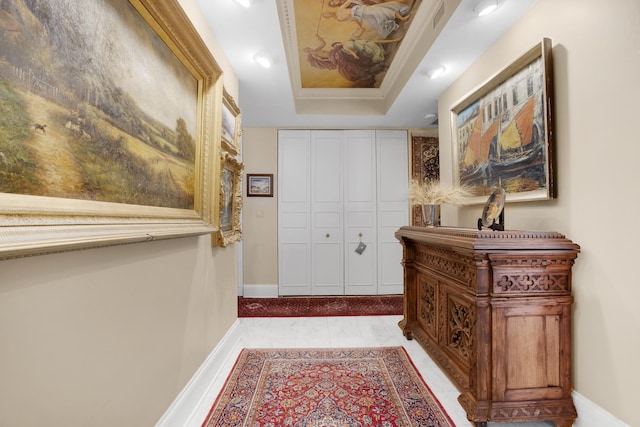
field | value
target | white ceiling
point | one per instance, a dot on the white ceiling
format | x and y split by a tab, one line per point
266	96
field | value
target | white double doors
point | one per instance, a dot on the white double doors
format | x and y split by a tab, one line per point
338	191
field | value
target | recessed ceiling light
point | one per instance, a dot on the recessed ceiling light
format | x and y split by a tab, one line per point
485	7
263	60
245	3
434	73
430	118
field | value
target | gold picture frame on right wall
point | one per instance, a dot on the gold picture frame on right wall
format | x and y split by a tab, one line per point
503	132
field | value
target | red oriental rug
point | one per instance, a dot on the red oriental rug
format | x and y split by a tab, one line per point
375	305
326	387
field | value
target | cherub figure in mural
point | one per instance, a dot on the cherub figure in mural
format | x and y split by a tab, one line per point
356	60
380	17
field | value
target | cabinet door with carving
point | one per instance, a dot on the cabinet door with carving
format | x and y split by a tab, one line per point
427	305
457	330
531	349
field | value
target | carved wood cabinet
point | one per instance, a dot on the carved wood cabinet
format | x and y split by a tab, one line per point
493	309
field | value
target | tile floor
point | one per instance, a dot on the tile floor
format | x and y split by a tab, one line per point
370	331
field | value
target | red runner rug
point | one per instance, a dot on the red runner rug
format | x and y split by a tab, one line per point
375	305
326	387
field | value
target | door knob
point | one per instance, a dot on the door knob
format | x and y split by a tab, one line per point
328	235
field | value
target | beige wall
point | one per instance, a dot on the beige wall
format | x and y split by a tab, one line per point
110	336
260	214
595	48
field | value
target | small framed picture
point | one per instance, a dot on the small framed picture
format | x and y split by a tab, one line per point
259	185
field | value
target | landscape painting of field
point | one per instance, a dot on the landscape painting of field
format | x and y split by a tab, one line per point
94	106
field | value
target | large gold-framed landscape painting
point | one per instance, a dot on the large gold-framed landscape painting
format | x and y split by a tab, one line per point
77	122
101	114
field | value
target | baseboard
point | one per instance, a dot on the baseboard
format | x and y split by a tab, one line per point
188	408
260	291
592	415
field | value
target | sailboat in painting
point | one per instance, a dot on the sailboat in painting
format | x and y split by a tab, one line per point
501	136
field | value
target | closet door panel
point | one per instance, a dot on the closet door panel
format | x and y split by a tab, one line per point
393	207
361	273
327	275
360	163
293	169
294	248
326	167
360	267
327	238
294	277
360	212
393	158
390	256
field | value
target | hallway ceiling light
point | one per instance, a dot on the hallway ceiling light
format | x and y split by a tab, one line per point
434	73
431	118
263	60
485	7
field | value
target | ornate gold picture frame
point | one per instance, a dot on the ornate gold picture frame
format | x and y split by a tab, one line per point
80	110
230	125
230	205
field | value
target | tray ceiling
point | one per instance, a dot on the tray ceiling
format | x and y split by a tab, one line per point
330	57
406	98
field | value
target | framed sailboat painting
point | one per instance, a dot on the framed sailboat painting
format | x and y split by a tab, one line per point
503	132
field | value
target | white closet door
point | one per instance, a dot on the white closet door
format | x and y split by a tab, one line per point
393	206
327	239
360	212
294	249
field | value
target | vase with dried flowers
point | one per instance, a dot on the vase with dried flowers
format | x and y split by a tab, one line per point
430	194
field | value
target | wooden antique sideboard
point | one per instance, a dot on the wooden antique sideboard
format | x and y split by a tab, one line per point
493	309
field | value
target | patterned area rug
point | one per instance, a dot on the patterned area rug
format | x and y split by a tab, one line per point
320	306
326	387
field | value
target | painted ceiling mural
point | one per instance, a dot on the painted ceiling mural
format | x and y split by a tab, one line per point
349	43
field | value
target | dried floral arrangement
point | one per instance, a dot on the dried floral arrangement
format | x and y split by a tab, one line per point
432	192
